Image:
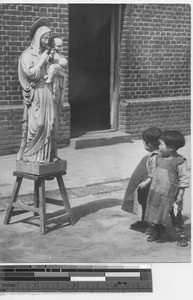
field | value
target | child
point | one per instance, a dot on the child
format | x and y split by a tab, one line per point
56	70
167	187
142	177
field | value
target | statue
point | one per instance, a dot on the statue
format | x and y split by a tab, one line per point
37	158
40	119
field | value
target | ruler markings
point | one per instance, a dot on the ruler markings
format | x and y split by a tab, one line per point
73	278
76	286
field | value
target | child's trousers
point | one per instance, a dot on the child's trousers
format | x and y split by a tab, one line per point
142	199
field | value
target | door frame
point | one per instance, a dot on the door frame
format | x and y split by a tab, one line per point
115	65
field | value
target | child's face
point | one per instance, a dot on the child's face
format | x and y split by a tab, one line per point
164	150
58	44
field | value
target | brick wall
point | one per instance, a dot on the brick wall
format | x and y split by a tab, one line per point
10	128
155	64
166	113
154	72
15	21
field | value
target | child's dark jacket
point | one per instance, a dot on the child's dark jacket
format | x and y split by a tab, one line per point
139	174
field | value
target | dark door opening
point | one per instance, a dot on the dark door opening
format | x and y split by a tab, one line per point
89	67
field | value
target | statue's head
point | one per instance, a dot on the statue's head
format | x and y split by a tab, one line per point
40	33
39	23
44	39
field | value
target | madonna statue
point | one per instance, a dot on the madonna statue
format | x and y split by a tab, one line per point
39	134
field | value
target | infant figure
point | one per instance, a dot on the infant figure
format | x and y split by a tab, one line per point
56	69
56	66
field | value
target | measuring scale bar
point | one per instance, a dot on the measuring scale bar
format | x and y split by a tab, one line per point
70	276
97	278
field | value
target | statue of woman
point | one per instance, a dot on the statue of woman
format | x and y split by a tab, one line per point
38	129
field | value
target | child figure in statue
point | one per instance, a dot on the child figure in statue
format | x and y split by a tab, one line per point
56	66
56	76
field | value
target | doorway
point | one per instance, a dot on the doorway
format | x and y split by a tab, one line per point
90	39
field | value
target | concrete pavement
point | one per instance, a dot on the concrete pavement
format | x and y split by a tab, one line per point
96	181
87	166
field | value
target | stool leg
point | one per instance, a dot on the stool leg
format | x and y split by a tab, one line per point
36	195
42	208
13	199
65	197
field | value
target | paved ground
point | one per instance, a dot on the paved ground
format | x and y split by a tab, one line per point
96	181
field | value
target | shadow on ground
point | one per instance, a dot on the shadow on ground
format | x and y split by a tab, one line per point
57	218
100	233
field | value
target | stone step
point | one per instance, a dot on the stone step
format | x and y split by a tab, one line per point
100	138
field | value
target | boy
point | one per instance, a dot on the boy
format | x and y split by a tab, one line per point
142	177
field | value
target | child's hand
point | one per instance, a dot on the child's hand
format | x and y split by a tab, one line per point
58	72
142	185
51	53
179	199
175	209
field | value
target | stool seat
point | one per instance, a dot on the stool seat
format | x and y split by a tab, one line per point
39	207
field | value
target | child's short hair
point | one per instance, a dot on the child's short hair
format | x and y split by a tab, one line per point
152	136
55	40
173	139
52	38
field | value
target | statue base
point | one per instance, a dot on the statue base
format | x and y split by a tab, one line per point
40	169
39	173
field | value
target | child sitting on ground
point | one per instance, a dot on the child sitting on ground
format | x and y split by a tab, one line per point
142	177
167	188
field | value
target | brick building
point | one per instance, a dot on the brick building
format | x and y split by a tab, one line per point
129	67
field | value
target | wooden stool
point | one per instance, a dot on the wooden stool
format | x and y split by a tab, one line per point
39	196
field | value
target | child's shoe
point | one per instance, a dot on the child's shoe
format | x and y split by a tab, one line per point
162	229
139	225
150	230
182	242
154	237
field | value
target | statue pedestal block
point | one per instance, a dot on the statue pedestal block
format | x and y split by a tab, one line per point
41	169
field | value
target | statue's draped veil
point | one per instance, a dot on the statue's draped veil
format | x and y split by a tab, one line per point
35	49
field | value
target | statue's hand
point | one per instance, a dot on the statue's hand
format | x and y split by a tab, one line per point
52	52
58	72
